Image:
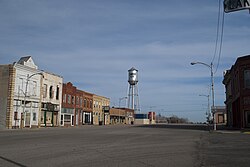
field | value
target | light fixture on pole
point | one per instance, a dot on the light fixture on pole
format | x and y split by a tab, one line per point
25	94
212	86
208	107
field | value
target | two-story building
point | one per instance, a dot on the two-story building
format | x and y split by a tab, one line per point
20	90
87	113
77	106
51	99
68	104
98	103
237	84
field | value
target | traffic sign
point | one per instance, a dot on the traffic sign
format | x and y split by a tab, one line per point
235	5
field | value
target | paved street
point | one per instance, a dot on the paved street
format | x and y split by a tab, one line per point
122	146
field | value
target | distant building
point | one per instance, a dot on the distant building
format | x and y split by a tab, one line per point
121	116
220	115
237	85
152	117
98	103
141	119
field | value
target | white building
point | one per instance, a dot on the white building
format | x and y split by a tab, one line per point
20	87
51	99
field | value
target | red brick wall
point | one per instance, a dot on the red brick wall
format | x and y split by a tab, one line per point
68	89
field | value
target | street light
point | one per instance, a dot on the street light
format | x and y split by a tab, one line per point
25	95
208	104
212	85
120	99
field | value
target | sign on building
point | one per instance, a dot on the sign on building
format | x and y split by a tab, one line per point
106	109
235	5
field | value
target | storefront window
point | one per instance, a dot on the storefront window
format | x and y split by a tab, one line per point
34	116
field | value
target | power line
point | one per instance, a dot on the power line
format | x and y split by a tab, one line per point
221	41
217	31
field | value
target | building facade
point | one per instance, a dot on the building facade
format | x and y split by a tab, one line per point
220	115
87	113
20	94
227	81
51	99
77	106
98	103
7	85
68	104
237	85
121	116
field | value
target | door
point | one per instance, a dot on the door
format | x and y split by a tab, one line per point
248	119
72	120
77	118
27	119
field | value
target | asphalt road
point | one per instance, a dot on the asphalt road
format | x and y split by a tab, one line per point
122	146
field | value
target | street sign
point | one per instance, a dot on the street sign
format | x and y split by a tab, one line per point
106	108
235	5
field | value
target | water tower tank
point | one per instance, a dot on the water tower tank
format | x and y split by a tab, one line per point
132	76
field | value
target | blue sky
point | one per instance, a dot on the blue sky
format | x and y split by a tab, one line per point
93	43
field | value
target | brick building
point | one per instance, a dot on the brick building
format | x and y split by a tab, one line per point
237	85
87	113
68	104
77	106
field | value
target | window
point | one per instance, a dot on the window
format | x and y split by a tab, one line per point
21	82
85	103
34	88
61	119
69	99
91	104
45	90
51	92
15	115
35	104
67	118
81	101
57	93
73	99
64	98
77	100
247	79
34	116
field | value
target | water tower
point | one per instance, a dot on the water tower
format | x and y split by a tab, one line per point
133	95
